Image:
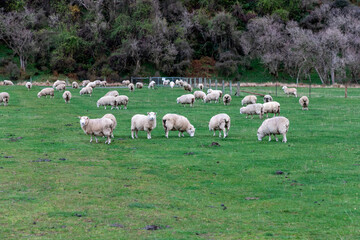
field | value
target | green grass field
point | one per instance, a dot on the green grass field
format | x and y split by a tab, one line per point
192	190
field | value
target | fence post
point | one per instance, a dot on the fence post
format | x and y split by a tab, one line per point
200	80
310	86
276	89
230	87
223	86
216	83
30	79
67	81
238	89
190	80
210	83
204	83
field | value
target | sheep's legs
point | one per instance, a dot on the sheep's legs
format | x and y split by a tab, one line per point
136	133
132	134
96	139
220	133
166	133
148	135
91	138
179	134
182	134
284	138
269	137
214	133
276	138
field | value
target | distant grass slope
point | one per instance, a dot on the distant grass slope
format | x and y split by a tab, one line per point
56	185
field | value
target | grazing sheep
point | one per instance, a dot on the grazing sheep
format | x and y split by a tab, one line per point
249	99
85	82
175	122
28	85
172	84
8	83
182	83
75	85
186	99
226	99
271	107
102	127
131	87
253	109
187	87
125	82
91	84
112	93
177	82
97	82
289	91
212	96
139	85
58	82
111	117
45	92
67	96
4	98
122	100
220	122
218	91
201	86
140	122
304	102
165	82
267	98
61	87
151	85
107	101
274	126
199	95
86	90
103	83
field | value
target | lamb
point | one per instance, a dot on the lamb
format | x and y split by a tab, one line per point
187	87
122	100
212	96
289	91
75	85
249	99
91	84
226	99
172	84
253	109
125	82
103	83
175	122
267	98
61	87
28	85
140	122
304	102
112	93
272	107
186	99
218	91
4	97
67	96
85	82
58	82
151	85
199	95
45	92
139	85
8	83
274	126
107	101
86	90
111	117
131	87
102	127
220	122
165	82
201	86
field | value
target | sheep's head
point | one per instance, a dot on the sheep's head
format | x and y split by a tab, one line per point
177	100
39	95
242	110
84	120
209	90
191	131
260	135
284	87
151	116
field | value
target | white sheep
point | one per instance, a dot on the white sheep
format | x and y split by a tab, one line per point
139	85
289	91
8	83
85	82
172	84
201	86
28	85
86	90
271	107
165	82
249	99
4	98
253	109
102	127
58	82
140	122
304	102
97	82
199	95
91	84
103	83
186	99
218	91
227	99
212	96
45	92
187	87
151	85
177	82
61	87
175	122
112	93
122	100
220	122
131	87
75	85
182	83
111	117
67	96
107	101
274	126
125	82
267	98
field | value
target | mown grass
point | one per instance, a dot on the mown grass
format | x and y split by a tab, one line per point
191	189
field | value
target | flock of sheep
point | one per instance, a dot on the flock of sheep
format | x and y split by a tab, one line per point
105	126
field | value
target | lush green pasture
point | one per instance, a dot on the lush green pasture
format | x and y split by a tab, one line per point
191	189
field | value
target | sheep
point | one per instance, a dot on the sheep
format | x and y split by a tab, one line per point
122	100
58	82
199	95
253	109
175	122
271	107
97	82
289	91
86	90
4	97
91	84
151	85
140	122
218	91
139	85
220	122
212	96
75	85
274	126
111	117
102	127
186	99
103	83
45	92
67	96
61	87
85	82
112	93
172	84
249	99
125	82
107	101
131	87
28	85
177	82
201	86
8	83
304	102
165	82
267	98
226	99
182	83
187	87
